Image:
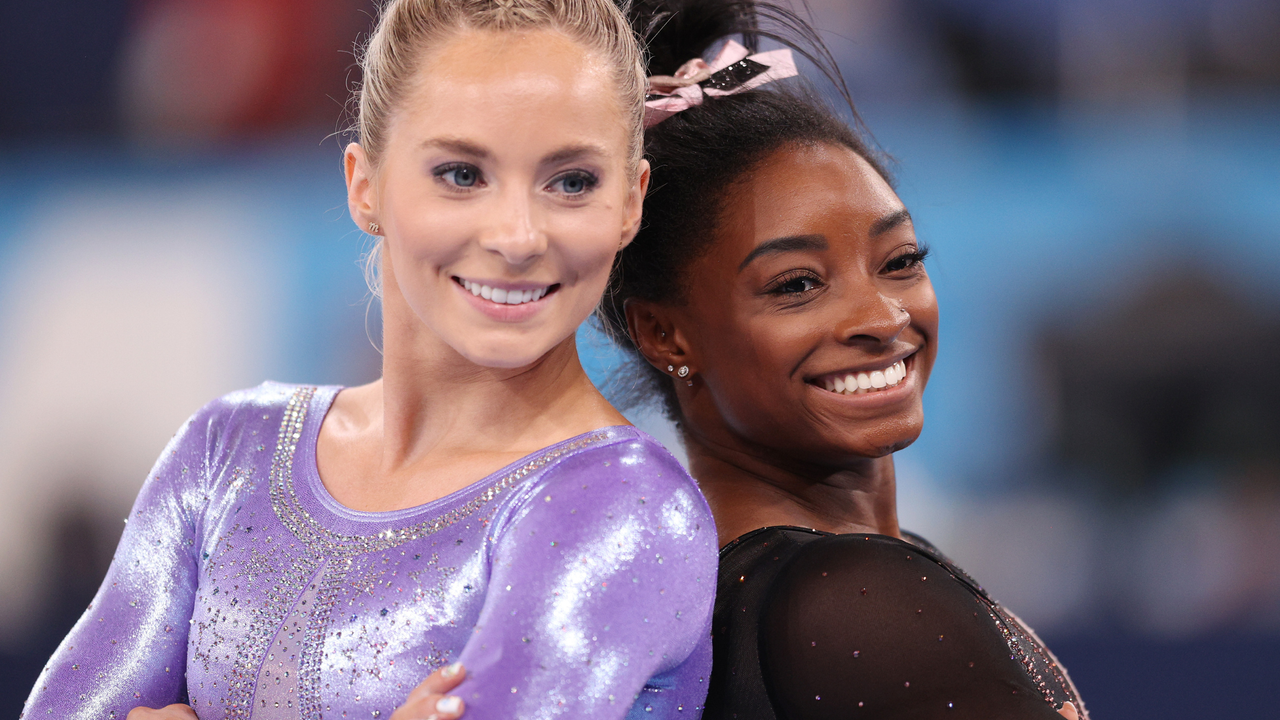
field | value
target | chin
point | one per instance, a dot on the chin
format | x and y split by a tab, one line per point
878	443
504	356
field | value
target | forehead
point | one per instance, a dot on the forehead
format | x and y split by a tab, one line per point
528	86
805	189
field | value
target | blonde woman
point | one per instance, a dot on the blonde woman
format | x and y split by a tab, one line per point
307	552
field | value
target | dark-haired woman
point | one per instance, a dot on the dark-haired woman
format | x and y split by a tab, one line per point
778	296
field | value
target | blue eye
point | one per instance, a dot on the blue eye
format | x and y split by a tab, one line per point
460	175
575	183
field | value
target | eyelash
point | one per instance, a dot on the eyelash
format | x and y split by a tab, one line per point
443	170
589	182
776	287
914	259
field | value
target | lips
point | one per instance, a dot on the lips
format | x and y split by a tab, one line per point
506	295
863	382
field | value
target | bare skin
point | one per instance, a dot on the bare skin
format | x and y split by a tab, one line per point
767	316
508	165
474	184
814	272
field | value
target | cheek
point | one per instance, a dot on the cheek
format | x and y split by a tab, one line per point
585	242
922	303
753	363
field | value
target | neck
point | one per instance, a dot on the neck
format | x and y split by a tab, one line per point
433	402
749	488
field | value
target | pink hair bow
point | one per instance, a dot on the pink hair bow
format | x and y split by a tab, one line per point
732	71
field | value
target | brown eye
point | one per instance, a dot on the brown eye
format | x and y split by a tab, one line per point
797	285
906	261
796	282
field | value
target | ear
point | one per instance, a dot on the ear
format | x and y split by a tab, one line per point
654	330
362	199
635	205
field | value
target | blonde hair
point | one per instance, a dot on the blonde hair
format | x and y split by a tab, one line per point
407	29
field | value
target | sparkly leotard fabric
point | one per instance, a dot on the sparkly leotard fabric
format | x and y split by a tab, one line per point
575	582
810	626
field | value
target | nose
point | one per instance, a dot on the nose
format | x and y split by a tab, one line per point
515	229
874	320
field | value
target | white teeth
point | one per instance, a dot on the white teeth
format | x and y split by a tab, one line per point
505	297
863	382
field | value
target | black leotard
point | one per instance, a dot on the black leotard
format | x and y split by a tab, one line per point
810	625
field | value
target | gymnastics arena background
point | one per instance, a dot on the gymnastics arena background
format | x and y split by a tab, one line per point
1099	181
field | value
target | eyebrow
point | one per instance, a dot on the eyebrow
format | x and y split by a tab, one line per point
458	145
466	147
573	152
889	222
790	243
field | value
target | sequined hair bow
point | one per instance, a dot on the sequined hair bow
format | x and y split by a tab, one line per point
733	70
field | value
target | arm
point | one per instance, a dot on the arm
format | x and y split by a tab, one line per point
129	648
600	592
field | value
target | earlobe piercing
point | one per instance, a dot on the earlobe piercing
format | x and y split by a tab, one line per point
373	228
683	371
671	368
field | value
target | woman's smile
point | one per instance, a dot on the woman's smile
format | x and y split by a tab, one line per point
856	382
506	301
875	385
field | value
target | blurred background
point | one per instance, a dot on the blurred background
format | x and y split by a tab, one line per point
1099	181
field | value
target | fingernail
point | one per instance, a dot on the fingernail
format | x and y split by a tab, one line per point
449	704
451	670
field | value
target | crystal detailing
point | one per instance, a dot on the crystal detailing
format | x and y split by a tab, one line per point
330	558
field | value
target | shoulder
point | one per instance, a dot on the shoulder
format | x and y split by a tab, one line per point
256	408
231	424
826	564
872	590
616	475
618	460
626	471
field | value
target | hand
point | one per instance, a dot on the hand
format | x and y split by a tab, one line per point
429	700
169	712
1068	711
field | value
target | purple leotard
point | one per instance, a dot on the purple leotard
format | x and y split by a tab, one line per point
576	582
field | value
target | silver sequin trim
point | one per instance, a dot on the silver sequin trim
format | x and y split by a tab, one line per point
336	552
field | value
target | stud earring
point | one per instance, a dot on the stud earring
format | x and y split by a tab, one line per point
683	371
671	368
373	228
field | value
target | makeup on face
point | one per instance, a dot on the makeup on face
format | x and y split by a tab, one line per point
505	193
813	320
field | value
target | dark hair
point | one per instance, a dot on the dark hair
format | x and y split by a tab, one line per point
697	156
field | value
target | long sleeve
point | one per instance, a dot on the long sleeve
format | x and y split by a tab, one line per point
129	647
600	594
